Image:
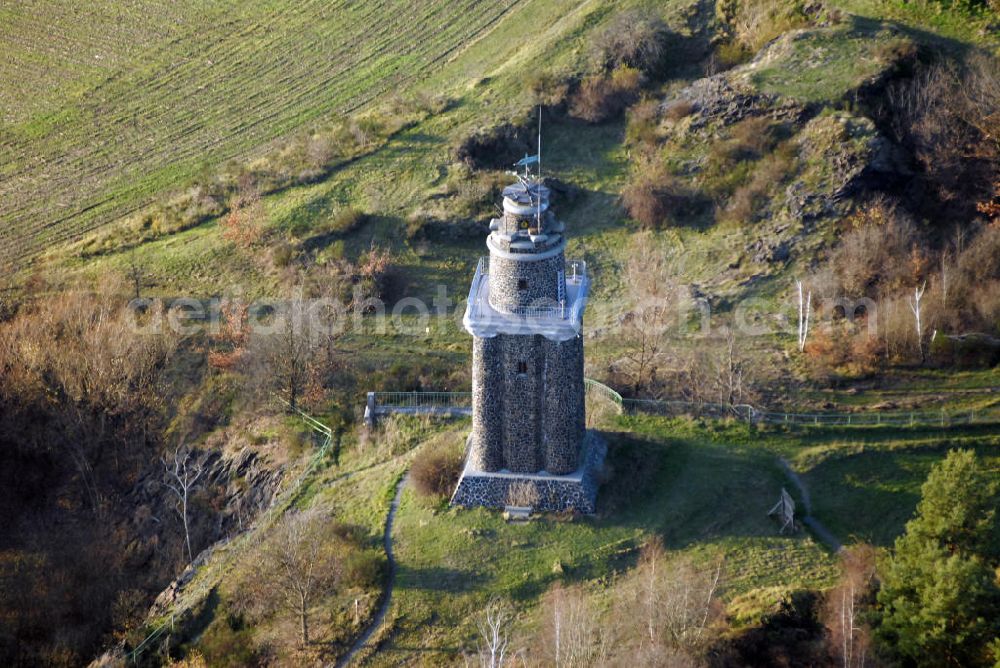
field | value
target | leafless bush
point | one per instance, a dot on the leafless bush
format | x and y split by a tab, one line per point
91	381
379	275
873	256
244	225
753	23
655	198
633	38
895	328
435	471
947	115
641	130
604	96
549	89
498	146
748	200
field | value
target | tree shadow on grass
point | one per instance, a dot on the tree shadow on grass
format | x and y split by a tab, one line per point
438	578
689	490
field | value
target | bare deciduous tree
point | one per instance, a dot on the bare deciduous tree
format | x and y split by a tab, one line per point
571	632
297	565
918	294
849	637
288	356
670	605
655	307
494	622
136	274
731	372
182	475
804	308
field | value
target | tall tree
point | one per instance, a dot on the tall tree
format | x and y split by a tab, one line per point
182	475
287	359
298	565
494	623
940	599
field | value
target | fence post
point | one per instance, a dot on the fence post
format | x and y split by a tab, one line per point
370	410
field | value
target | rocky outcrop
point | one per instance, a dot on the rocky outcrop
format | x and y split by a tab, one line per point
841	155
719	100
233	488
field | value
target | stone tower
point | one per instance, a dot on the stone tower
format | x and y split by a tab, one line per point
525	313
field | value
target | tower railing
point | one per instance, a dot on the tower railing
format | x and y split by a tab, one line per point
575	275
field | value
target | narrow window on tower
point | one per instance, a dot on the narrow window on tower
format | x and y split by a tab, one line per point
522	284
522	367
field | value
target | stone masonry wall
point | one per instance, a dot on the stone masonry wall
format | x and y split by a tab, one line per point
486	451
551	493
540	280
529	421
564	409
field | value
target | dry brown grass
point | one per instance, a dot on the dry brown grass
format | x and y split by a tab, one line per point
753	23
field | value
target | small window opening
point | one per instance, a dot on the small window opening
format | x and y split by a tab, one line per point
522	284
522	367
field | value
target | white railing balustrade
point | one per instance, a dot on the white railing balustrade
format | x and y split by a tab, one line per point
576	275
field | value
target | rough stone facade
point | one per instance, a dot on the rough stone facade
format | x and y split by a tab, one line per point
517	284
527	404
528	412
547	493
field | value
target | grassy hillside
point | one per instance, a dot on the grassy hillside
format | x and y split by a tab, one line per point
135	103
705	488
107	105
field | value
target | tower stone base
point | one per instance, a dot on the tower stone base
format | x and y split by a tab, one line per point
575	491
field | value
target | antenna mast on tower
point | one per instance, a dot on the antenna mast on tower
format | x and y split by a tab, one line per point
539	142
538	210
